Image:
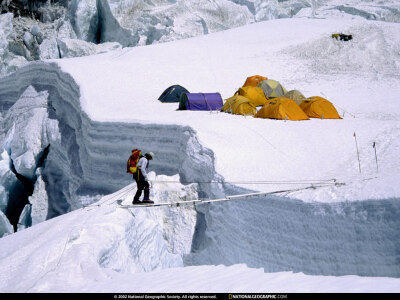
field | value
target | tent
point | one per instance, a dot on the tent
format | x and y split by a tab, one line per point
283	109
239	105
318	107
172	94
272	88
254	94
296	96
227	107
254	80
200	101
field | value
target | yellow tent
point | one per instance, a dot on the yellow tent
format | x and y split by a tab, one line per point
239	105
318	107
227	107
254	94
272	88
283	109
296	96
254	80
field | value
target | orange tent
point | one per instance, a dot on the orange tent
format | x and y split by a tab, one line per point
254	80
281	108
318	107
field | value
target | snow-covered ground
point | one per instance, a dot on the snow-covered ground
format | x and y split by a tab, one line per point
336	238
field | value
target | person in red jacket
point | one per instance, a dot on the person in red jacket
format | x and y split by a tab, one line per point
142	180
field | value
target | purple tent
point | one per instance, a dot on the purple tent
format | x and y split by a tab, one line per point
200	101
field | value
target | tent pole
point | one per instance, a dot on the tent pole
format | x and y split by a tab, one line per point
376	158
358	154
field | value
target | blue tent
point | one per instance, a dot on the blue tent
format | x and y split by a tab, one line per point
172	94
200	101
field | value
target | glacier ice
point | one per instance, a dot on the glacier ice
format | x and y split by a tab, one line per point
27	135
49	49
29	131
93	22
132	23
9	61
25	219
82	15
6	28
7	180
39	200
5	226
77	48
65	30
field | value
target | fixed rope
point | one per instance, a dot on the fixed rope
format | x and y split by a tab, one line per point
324	181
228	198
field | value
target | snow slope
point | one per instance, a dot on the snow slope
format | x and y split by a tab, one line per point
104	237
109	103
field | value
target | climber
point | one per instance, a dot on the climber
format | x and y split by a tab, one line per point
142	180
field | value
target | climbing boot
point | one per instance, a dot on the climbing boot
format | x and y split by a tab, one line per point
147	201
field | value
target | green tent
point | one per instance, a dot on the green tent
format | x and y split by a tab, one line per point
272	88
296	96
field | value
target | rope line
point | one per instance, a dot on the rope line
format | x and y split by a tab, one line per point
122	193
323	181
313	184
232	197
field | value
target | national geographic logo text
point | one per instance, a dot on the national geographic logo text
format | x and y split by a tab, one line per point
258	296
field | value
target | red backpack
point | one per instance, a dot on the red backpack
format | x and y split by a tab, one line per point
131	165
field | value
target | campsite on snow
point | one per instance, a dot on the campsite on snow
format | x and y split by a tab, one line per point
274	161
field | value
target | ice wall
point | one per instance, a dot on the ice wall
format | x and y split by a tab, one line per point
282	234
26	134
